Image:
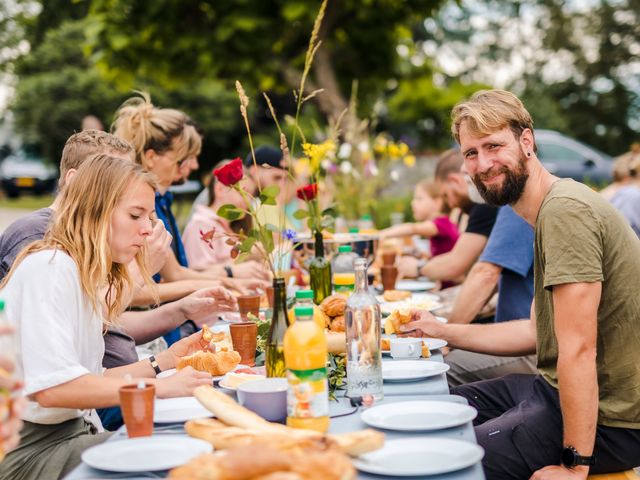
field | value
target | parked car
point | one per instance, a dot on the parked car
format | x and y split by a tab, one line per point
566	157
22	172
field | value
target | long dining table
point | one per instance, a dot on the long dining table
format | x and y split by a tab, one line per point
345	418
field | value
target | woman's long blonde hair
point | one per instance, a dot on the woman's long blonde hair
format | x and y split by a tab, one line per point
81	227
147	127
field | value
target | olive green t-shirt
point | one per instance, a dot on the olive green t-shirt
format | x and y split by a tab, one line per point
580	237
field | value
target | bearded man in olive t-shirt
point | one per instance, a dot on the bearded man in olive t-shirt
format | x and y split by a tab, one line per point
581	413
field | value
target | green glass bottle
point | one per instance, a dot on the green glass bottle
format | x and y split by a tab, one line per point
320	272
274	361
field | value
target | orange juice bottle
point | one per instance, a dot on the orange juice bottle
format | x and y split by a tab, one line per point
304	298
344	278
305	353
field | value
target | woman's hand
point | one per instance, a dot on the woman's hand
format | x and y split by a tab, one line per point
182	383
203	304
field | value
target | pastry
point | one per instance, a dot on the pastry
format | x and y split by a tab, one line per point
397	318
216	363
385	344
233	379
395	295
337	324
334	305
426	353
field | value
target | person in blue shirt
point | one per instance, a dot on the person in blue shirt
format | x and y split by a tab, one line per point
506	263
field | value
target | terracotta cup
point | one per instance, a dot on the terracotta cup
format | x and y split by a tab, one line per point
388	276
248	304
137	409
270	296
389	258
244	337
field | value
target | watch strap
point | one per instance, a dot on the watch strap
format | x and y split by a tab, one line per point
228	271
571	458
154	364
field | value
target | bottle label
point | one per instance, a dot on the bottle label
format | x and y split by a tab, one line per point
344	288
308	395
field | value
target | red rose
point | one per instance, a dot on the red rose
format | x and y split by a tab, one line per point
231	173
308	192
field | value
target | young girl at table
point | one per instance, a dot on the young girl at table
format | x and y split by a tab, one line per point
205	236
431	222
61	293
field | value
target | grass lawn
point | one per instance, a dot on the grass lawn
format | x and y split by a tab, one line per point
26	202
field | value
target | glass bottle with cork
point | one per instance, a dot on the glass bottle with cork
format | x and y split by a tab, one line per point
363	331
305	350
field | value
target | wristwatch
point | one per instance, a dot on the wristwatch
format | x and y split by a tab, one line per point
571	458
154	364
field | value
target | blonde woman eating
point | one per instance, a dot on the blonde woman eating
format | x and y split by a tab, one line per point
55	294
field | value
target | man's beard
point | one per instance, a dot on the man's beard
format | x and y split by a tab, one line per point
512	186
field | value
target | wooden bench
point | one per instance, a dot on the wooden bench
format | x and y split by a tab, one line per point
628	475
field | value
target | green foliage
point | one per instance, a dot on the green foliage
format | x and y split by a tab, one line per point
420	109
230	212
336	373
261	42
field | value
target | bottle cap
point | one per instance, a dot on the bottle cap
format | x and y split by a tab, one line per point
304	294
303	311
354	230
344	248
1	305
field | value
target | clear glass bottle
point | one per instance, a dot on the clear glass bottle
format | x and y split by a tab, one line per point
320	272
363	330
274	361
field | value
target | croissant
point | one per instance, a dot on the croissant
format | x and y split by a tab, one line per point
216	364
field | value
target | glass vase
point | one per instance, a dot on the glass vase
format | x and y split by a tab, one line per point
274	361
320	272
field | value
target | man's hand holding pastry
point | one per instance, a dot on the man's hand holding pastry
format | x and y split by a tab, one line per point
422	324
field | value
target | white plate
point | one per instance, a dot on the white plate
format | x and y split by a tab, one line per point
431	343
415	285
417	300
145	454
418	416
410	370
420	456
172	371
179	409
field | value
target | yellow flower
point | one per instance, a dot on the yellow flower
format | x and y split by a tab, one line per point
318	152
409	160
394	151
403	149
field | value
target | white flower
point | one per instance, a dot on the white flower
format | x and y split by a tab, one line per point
345	150
345	167
325	164
363	146
374	170
395	176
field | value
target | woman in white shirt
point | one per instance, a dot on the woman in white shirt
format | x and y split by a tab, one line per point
55	295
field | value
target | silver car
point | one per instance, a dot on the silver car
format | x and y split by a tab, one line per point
569	158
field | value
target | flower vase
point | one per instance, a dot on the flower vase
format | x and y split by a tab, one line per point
274	362
320	272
